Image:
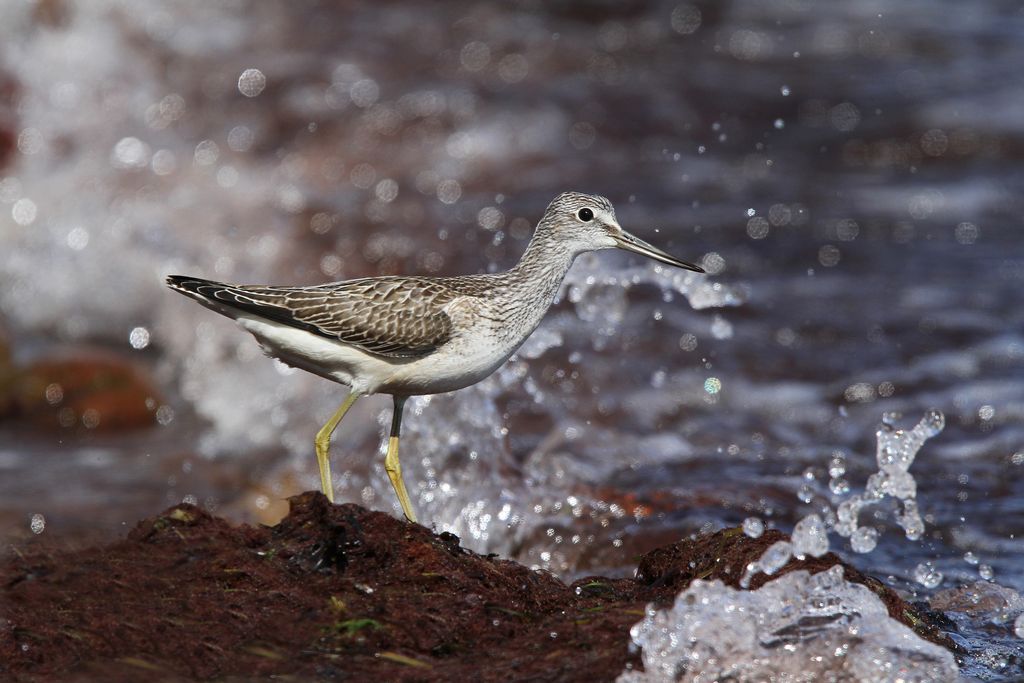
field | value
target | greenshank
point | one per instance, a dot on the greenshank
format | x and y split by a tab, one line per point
411	336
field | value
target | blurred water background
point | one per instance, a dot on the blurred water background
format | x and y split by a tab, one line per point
849	174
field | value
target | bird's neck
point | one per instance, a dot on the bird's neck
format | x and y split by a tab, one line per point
544	260
542	267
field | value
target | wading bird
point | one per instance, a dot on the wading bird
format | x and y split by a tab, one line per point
409	336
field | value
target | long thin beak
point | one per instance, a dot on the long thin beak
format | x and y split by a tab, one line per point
635	244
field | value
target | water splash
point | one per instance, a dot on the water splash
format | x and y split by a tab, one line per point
800	627
753	527
896	451
810	537
588	278
895	454
927	575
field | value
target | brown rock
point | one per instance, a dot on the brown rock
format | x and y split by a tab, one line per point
724	555
981	597
8	126
6	361
95	391
6	375
333	592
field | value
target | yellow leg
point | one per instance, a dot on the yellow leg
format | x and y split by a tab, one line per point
391	464
323	443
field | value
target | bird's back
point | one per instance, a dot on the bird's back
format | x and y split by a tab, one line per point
387	316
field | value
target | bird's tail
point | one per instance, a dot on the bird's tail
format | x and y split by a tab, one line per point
203	291
188	285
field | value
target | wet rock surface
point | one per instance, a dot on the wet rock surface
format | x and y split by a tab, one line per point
91	390
337	592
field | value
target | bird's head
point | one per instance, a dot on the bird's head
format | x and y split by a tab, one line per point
587	222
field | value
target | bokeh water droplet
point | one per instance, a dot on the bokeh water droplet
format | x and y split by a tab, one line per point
252	82
139	338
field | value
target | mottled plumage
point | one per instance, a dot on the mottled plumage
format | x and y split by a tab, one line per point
418	335
387	316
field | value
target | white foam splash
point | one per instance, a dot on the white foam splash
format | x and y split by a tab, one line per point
588	278
800	627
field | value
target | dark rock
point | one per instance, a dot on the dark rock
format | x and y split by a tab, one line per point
724	555
336	592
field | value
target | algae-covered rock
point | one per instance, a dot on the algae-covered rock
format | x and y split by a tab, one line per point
334	592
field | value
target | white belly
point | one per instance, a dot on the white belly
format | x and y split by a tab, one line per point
322	356
463	361
456	365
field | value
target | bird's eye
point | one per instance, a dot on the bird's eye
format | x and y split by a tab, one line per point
585	214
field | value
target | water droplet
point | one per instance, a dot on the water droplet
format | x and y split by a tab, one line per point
139	338
78	238
164	415
785	90
130	153
30	141
932	423
776	557
513	68
839	486
475	56
864	539
927	575
810	537
37	524
490	218
685	19
805	494
24	211
688	342
966	233
837	466
54	394
206	153
240	138
164	162
753	527
713	263
721	328
386	190
252	82
757	227
986	572
449	191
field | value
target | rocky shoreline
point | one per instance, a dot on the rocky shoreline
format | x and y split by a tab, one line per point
338	592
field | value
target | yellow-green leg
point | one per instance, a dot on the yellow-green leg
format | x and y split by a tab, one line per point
323	443
391	464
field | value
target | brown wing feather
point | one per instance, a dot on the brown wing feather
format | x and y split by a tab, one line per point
397	317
